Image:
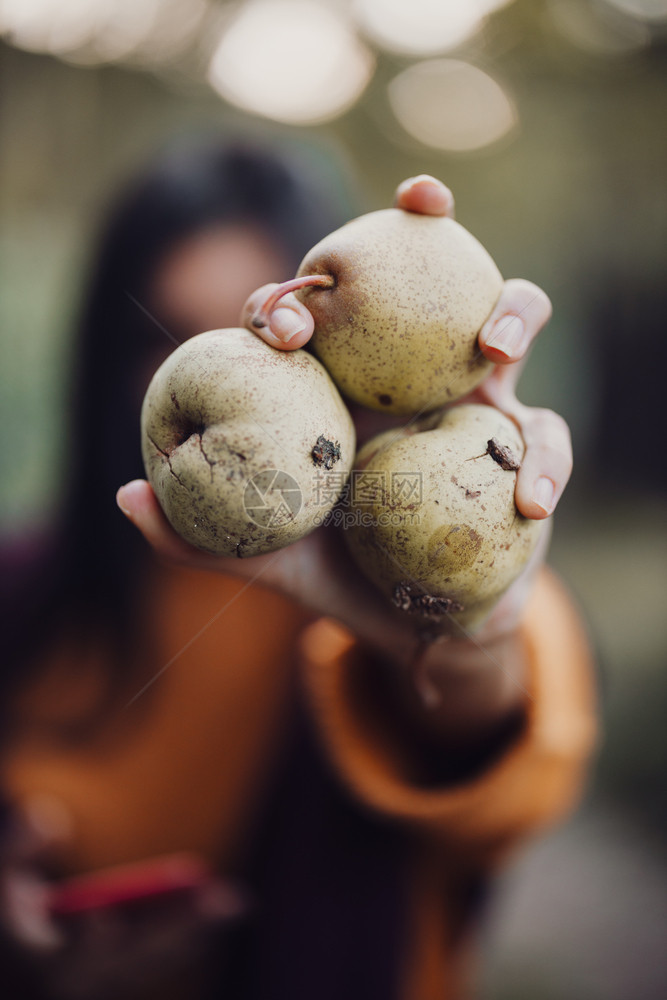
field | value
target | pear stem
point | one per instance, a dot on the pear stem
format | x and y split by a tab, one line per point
261	318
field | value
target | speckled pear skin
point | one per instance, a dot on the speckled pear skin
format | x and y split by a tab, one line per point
459	536
226	406
398	331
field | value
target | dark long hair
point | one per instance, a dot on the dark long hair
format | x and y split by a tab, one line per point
88	573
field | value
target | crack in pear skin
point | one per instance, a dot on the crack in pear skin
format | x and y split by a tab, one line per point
208	460
166	455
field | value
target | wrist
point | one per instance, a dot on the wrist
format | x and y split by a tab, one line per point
459	694
480	713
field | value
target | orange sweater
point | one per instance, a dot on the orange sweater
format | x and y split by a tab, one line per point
185	765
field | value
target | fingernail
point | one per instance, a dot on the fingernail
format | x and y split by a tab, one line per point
543	493
119	501
507	335
417	179
285	324
406	185
121	497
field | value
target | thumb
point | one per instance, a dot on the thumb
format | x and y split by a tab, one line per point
290	324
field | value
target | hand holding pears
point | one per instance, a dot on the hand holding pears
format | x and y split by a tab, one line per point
398	300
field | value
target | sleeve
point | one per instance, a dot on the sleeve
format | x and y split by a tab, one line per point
535	781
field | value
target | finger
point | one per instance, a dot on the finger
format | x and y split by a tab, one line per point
499	389
425	195
547	462
139	504
290	324
522	310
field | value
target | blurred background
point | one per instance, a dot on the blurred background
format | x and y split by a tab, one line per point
548	120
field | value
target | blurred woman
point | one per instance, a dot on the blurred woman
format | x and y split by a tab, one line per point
267	721
80	597
242	215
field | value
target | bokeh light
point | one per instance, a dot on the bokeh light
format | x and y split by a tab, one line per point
451	105
176	30
50	25
290	60
99	31
419	27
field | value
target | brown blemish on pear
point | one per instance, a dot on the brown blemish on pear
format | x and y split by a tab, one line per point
452	549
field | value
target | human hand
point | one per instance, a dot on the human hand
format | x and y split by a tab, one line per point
316	571
519	315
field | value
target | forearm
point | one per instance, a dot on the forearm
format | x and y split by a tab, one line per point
522	770
478	683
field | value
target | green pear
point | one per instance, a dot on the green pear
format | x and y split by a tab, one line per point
246	447
432	519
397	328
